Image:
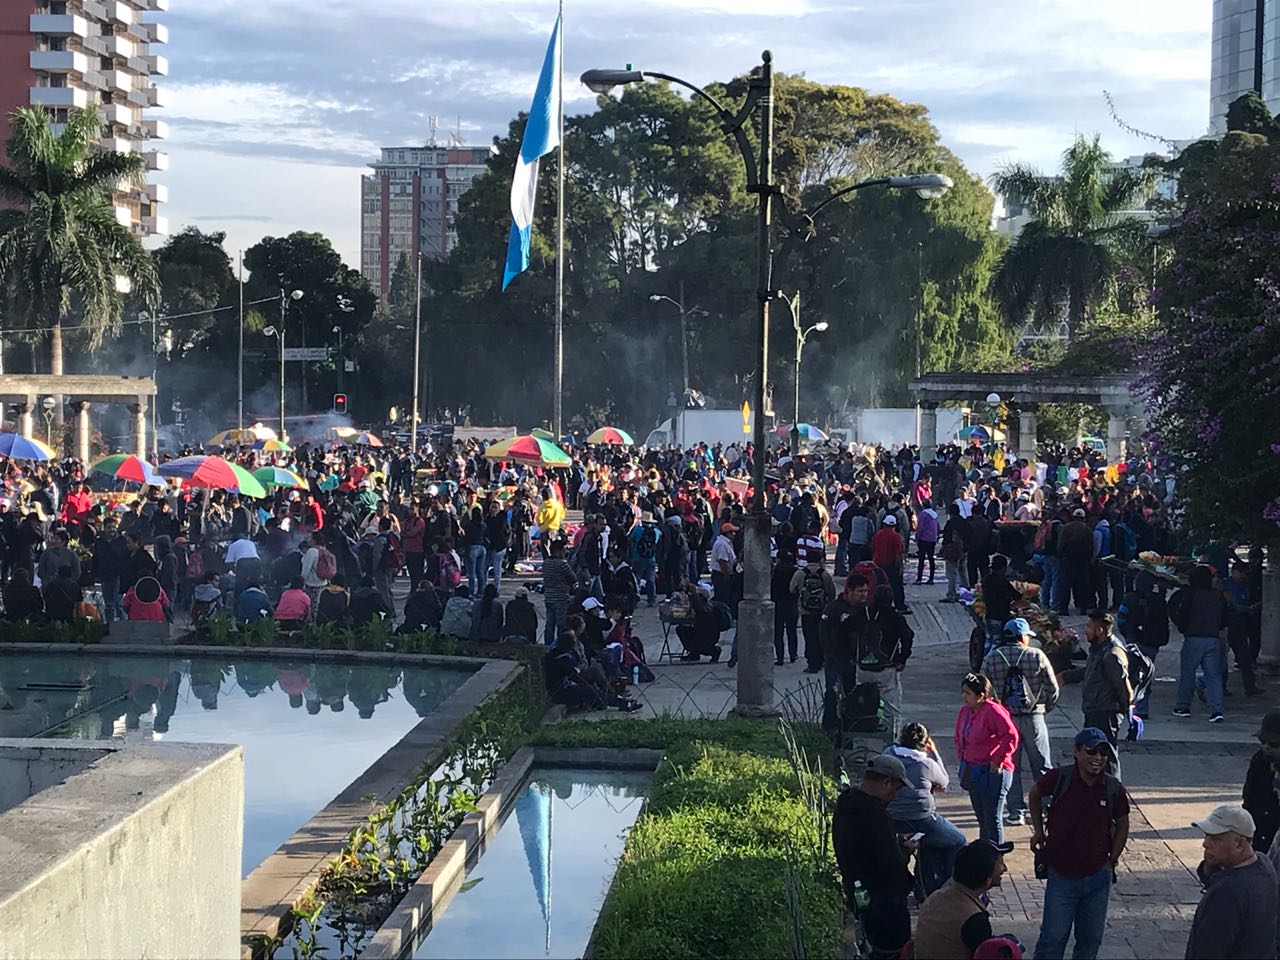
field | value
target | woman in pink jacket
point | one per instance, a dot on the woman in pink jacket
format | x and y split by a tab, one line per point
986	743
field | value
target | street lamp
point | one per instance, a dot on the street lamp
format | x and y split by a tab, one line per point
278	333
802	337
49	404
684	347
755	612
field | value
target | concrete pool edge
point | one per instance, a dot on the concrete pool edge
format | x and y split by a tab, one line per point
270	891
180	650
430	894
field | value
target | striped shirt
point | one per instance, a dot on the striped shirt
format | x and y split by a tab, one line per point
557	580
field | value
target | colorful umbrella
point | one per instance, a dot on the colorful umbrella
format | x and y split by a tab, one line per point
213	472
542	434
17	447
611	435
979	432
128	466
529	449
279	477
367	439
272	446
807	430
235	436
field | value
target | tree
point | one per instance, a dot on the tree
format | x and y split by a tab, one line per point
1077	239
62	248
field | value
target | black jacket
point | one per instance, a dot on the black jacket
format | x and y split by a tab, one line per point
422	611
866	847
522	620
1260	800
497	531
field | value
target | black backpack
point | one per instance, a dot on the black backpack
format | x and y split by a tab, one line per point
874	652
863	708
813	595
1016	693
1141	668
1155	622
1180	609
647	545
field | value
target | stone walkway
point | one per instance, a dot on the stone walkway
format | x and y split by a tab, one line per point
1176	774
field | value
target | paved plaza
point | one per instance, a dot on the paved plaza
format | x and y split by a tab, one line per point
1178	772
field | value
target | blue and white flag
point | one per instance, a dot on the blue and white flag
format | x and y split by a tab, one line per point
541	136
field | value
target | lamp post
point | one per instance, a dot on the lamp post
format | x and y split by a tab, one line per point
684	350
278	333
755	613
49	404
346	306
802	337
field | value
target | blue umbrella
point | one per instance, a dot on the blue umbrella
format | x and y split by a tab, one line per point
18	447
533	813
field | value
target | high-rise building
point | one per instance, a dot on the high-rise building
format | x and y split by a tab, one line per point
64	55
1244	55
408	204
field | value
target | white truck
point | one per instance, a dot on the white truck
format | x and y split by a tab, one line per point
894	426
701	426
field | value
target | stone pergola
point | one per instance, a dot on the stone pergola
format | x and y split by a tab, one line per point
27	391
1024	392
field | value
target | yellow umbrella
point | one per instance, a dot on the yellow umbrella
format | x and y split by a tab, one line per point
235	436
499	450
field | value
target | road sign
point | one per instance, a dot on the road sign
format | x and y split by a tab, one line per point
306	353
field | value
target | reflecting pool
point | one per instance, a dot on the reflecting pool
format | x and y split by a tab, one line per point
538	888
308	729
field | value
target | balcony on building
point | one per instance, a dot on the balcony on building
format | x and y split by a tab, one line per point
59	61
117	144
156	160
59	24
156	65
155	192
120	13
124	216
59	97
152	32
155	129
154	6
155	225
117	113
154	97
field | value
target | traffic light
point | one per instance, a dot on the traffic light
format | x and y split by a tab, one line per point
339	403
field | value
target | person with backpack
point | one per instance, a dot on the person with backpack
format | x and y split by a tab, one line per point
1079	828
840	631
811	589
1024	682
1106	692
1200	614
389	563
646	537
1143	620
786	607
888	553
986	742
319	566
1044	551
926	539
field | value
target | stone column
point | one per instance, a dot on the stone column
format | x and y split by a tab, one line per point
25	421
1116	425
755	623
1027	429
82	430
140	426
928	430
1269	656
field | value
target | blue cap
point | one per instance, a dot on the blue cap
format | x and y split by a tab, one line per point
1019	627
1091	737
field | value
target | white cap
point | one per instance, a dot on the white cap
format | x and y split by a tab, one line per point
1227	818
891	521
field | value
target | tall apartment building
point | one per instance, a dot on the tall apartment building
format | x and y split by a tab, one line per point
408	203
67	54
1245	56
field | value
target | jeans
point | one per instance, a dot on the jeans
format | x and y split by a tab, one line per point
1033	741
556	610
1051	585
416	562
1140	707
646	569
925	550
894	573
1075	576
1079	902
988	795
475	568
1238	641
811	626
111	609
785	614
1202	652
494	558
936	858
957	575
842	556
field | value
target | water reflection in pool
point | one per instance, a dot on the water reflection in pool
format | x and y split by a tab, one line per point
538	888
308	729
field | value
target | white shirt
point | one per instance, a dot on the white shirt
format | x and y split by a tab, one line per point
240	549
309	561
966	507
722	549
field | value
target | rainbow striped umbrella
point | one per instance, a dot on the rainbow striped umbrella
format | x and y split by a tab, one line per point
529	449
279	477
17	447
807	430
128	466
367	439
213	472
611	435
272	445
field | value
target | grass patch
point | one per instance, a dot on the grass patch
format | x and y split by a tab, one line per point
705	870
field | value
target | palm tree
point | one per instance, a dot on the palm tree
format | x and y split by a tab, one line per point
61	244
1078	237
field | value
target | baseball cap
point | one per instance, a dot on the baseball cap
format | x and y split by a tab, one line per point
591	603
1018	626
1078	513
889	767
728	528
1227	818
891	521
1091	737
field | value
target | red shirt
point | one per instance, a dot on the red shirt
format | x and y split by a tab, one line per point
886	547
1079	827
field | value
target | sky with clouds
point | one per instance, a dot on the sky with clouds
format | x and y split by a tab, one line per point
276	106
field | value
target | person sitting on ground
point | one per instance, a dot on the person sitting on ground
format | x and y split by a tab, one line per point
206	598
294	608
422	611
486	616
253	603
368	603
335	602
869	855
22	601
702	637
61	595
568	684
521	625
147	602
456	621
954	921
914	809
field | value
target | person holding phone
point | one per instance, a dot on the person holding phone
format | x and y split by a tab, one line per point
914	810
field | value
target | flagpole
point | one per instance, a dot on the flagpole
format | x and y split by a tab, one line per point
558	411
